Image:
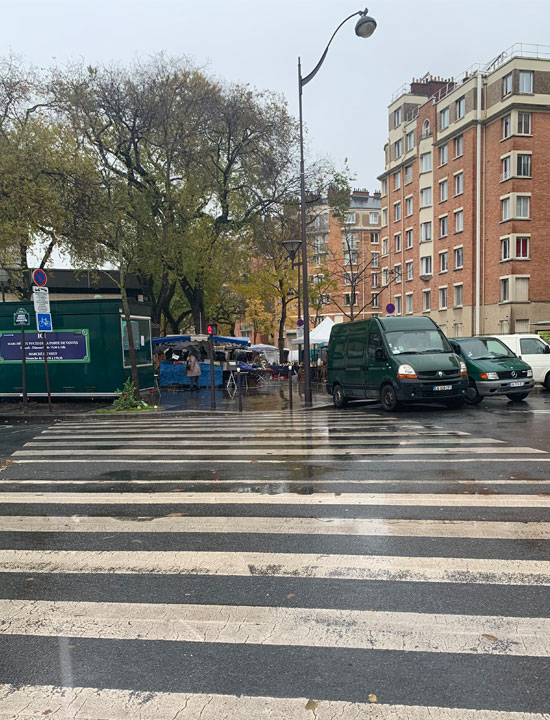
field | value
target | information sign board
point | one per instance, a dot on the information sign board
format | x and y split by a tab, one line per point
41	299
21	317
67	346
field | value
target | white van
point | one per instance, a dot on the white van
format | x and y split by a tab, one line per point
534	351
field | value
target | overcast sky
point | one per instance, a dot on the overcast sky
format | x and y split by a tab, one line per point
258	42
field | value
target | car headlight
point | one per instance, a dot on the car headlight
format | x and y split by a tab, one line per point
529	373
488	376
463	368
406	371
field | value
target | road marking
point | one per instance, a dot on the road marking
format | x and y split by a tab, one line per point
321	433
219	498
250	564
301	460
253	625
279	482
284	526
88	703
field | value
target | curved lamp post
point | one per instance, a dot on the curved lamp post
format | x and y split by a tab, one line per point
364	28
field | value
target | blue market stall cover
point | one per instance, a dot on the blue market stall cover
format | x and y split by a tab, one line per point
243	341
171	374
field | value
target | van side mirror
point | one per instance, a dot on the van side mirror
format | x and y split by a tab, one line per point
380	355
547	350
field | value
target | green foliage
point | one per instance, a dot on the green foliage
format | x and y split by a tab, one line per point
126	399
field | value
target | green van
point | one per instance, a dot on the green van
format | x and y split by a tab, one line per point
394	359
493	369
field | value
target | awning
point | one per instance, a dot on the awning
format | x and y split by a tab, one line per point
219	339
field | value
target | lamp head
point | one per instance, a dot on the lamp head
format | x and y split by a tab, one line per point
366	25
291	246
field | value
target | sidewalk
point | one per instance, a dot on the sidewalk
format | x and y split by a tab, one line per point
272	396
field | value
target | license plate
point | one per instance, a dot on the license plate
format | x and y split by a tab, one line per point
442	387
516	384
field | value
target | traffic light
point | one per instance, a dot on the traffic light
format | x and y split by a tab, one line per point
212	329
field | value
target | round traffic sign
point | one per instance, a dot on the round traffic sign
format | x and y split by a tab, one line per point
300	323
39	277
390	308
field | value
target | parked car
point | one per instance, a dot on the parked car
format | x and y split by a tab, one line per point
394	359
493	369
534	351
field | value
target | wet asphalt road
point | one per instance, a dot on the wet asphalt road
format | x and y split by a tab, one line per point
262	567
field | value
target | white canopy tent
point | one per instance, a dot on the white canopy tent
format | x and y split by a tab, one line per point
318	335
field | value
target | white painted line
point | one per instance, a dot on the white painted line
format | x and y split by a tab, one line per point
317	433
250	564
88	703
328	450
296	627
220	498
215	481
262	461
285	526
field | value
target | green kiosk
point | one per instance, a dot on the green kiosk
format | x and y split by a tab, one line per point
87	348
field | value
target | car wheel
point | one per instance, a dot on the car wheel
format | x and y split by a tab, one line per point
338	397
547	381
516	397
388	398
455	403
472	395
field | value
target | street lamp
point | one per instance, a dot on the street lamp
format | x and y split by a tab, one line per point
364	28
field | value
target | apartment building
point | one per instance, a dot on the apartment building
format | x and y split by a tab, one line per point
465	209
344	261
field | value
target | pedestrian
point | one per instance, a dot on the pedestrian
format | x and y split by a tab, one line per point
193	370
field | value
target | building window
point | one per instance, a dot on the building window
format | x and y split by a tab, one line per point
397	211
384	187
522	326
397	240
375	301
459	183
397	272
443	298
443	190
443	226
523	203
349	278
324	298
385	246
459	258
444	119
457	329
426	300
505	166
373	218
506	126
398	149
351	257
425	232
397	301
459	221
524	123
350	299
522	289
408	239
385	276
460	107
525	81
397	180
374	238
522	247
459	146
443	261
397	117
408	206
409	269
426	265
507	85
425	162
350	219
505	248
375	280
426	128
384	217
425	197
375	261
504	289
524	165
408	174
443	154
409	301
409	141
505	208
459	295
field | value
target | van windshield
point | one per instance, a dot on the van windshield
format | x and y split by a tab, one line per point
416	342
481	348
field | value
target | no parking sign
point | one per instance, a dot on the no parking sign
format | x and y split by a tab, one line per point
390	308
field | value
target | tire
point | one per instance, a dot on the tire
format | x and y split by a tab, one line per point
388	398
516	397
472	395
338	397
455	403
547	381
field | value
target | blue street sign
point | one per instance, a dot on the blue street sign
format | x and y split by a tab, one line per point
390	308
44	322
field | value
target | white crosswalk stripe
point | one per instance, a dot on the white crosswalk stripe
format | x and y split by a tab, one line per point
202	582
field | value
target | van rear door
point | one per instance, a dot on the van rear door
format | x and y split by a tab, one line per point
376	360
356	365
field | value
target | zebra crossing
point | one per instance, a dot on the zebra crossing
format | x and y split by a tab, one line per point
325	565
